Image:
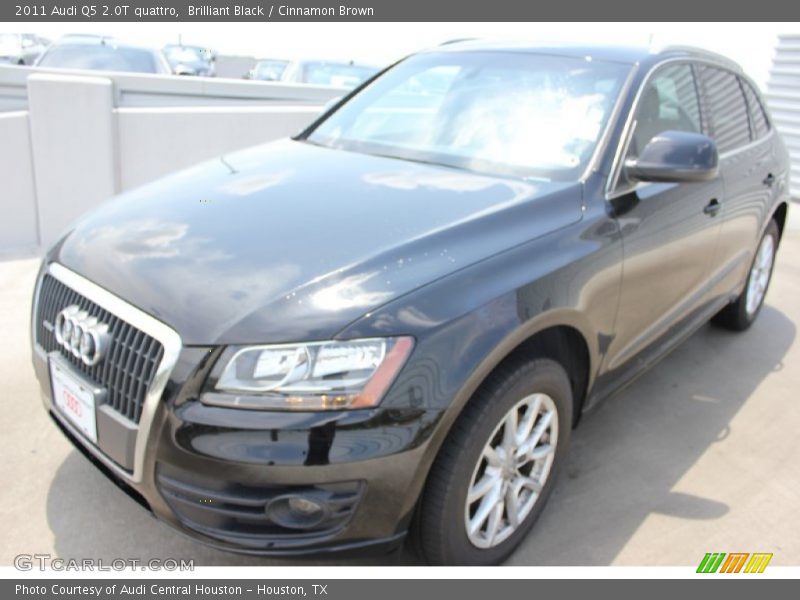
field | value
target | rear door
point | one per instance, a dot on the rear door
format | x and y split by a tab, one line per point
739	125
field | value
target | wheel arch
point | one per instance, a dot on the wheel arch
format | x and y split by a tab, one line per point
565	345
779	216
562	335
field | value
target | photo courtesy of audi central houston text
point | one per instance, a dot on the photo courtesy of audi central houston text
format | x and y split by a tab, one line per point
381	333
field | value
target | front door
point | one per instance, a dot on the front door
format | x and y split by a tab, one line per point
669	230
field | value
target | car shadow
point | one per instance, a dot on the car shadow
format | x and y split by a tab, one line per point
629	453
626	457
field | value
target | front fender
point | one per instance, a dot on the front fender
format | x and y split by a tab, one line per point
466	323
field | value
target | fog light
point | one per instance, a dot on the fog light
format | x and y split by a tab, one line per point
297	511
304	506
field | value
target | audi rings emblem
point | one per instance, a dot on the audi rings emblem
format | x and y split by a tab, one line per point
84	336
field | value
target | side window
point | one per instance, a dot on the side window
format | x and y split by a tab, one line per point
668	102
727	108
758	118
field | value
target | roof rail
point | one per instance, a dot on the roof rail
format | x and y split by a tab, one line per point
458	40
703	52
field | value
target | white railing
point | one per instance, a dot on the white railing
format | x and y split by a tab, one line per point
70	140
783	98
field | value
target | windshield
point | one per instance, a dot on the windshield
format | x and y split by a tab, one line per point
99	57
518	114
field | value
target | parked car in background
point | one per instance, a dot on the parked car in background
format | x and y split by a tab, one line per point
98	53
270	69
322	72
21	48
390	323
191	60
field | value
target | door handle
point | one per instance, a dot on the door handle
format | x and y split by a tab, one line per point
712	208
769	180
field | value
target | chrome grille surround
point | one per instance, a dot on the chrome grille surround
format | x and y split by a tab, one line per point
141	324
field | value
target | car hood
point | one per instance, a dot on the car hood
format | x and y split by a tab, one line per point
292	242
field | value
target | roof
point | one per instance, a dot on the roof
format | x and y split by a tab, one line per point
610	53
97	40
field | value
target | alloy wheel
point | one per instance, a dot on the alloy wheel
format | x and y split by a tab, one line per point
759	274
511	471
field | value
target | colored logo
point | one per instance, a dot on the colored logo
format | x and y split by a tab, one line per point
734	562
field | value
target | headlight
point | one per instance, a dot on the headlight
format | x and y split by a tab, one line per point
313	376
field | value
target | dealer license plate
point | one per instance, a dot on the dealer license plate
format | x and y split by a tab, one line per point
74	399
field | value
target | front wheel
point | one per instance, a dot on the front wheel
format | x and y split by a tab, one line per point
742	312
497	467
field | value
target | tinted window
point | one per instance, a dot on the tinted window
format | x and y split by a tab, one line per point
727	107
758	118
668	102
270	70
100	57
512	113
337	75
180	54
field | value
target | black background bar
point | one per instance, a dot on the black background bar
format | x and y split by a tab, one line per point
400	10
702	586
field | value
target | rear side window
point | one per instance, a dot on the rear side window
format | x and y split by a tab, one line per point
727	108
668	102
758	118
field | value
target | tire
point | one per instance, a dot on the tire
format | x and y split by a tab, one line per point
440	535
743	311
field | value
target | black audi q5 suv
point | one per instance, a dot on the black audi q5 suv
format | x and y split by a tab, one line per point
389	324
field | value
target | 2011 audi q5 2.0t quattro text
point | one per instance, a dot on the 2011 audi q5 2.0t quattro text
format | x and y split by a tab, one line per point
388	325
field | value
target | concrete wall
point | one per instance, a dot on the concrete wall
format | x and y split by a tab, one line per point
148	135
234	66
13	95
75	139
74	147
18	220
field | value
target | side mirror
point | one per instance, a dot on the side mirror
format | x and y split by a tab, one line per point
675	156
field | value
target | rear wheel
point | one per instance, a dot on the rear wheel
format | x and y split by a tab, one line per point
497	468
742	312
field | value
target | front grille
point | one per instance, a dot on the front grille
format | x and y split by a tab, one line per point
132	359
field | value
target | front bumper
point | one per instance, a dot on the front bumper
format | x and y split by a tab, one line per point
342	547
220	474
213	479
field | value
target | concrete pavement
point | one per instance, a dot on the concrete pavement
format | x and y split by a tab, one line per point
699	455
